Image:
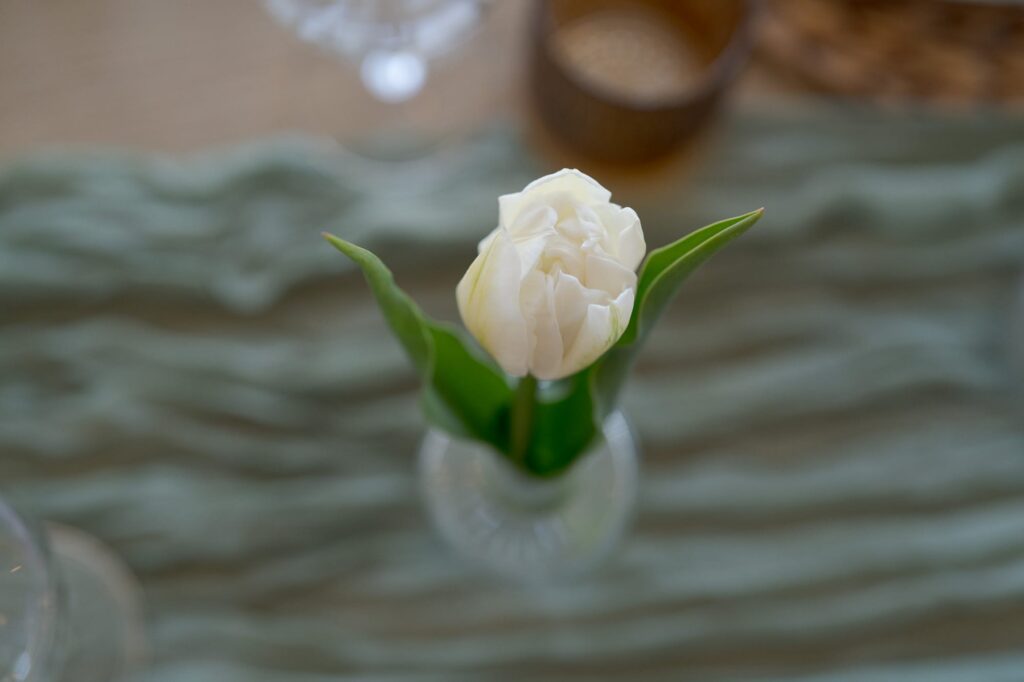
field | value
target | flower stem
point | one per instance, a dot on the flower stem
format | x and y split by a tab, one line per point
522	417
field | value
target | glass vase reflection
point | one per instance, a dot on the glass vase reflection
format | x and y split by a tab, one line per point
528	528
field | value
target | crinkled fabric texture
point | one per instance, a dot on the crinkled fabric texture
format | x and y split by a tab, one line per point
831	413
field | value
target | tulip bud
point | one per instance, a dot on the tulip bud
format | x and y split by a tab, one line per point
553	286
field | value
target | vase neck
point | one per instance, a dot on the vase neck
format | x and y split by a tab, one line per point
522	489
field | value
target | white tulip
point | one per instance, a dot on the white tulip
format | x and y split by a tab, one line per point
553	285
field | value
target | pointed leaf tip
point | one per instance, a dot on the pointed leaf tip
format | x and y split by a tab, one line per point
336	242
660	276
463	393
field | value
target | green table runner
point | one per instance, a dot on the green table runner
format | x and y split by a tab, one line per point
833	483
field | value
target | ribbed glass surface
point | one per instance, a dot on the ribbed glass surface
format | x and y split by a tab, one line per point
527	528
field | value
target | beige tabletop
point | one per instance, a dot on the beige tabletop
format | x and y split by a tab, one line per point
174	76
184	75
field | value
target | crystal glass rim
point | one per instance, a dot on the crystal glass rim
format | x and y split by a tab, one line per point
280	14
617	432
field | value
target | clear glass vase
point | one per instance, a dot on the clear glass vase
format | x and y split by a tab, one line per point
524	527
69	610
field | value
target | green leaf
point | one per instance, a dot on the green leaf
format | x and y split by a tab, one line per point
472	387
568	424
569	413
464	392
563	425
660	277
667	267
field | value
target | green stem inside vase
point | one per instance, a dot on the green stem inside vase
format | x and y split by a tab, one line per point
522	417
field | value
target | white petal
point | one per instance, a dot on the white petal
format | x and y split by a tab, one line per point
488	298
607	275
589	220
632	246
600	329
572	181
531	233
561	254
571	302
485	243
537	219
554	285
537	301
622	311
578	186
624	234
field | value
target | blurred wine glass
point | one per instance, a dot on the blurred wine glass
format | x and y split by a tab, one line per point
398	48
68	609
